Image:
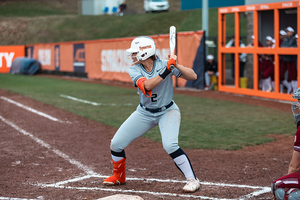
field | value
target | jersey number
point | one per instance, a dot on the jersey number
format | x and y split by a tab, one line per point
153	98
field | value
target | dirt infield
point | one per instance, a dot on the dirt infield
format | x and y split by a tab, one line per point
67	159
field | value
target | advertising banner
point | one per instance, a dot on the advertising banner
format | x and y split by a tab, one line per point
44	53
57	57
188	44
8	54
79	58
29	51
107	59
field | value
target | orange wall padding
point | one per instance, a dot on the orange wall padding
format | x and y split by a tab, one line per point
188	44
66	61
107	59
8	54
45	54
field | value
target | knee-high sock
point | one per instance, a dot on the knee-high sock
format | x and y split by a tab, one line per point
281	88
183	163
117	156
287	85
266	84
294	86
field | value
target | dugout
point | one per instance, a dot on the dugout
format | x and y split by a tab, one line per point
262	20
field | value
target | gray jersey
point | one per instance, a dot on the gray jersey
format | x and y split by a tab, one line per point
162	94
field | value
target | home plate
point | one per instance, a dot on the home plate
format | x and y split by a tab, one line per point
121	197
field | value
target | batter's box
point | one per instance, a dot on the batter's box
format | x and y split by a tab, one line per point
172	188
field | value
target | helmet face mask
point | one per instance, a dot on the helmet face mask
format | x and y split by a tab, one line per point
133	60
141	48
296	111
296	106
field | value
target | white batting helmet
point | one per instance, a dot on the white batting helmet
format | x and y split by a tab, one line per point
143	46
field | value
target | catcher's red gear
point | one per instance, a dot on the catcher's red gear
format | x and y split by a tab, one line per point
286	194
286	185
119	176
171	64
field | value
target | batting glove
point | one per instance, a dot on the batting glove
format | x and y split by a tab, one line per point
170	66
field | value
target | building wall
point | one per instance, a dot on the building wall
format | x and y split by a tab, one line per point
96	7
192	4
247	2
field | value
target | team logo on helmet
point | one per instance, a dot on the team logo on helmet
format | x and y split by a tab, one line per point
145	47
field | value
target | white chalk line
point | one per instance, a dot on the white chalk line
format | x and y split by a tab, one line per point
32	110
280	101
44	144
257	193
156	180
11	198
142	192
93	103
265	99
157	193
91	174
61	184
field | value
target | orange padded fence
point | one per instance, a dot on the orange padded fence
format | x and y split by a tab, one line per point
8	54
107	59
255	50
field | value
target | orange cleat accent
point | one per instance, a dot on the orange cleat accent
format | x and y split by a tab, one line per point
119	176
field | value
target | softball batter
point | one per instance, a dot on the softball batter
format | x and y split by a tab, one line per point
153	77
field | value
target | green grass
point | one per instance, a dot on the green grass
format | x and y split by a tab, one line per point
29	9
109	26
206	123
65	27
